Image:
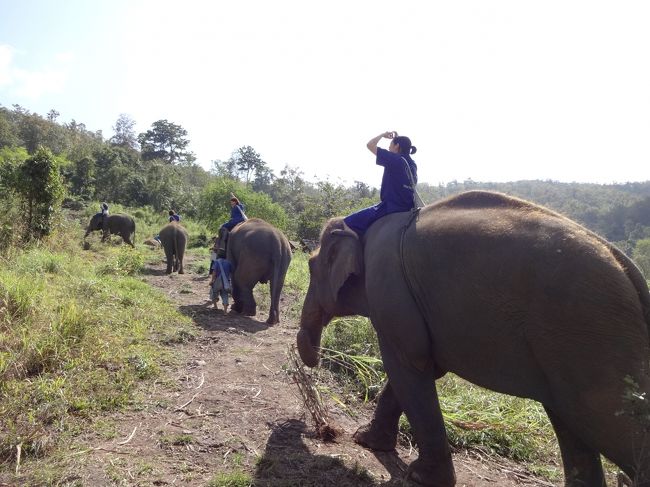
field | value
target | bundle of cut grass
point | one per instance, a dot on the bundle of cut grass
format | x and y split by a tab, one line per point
312	399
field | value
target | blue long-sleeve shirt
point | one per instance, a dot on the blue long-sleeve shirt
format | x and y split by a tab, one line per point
236	216
396	189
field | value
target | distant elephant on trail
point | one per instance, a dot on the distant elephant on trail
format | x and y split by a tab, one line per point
508	295
259	252
173	238
118	224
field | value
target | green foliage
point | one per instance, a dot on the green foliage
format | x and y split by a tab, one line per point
11	224
39	183
508	426
237	478
74	339
641	256
127	262
166	141
214	206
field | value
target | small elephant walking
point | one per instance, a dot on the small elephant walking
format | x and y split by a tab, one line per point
258	252
173	238
508	295
118	224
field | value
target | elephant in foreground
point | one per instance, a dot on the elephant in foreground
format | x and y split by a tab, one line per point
173	238
118	224
258	252
508	295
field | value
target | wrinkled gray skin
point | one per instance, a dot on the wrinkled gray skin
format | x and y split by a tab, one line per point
173	238
259	252
118	224
508	295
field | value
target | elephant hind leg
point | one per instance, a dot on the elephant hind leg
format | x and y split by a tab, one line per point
582	465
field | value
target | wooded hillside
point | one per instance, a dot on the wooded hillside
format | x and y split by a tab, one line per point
156	169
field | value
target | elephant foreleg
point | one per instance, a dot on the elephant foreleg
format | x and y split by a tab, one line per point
582	466
381	433
415	390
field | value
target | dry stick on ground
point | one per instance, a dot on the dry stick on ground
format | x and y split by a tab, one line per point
312	399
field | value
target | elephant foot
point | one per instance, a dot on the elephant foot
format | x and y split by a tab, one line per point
249	312
181	271
273	318
374	437
431	473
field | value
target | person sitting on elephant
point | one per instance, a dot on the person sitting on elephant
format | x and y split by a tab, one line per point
103	212
237	214
220	281
174	217
102	215
397	191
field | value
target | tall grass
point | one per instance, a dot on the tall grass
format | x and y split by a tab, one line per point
77	332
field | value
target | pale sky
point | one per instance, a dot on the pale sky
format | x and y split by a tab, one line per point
498	90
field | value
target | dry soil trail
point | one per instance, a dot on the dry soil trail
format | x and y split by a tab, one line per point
231	408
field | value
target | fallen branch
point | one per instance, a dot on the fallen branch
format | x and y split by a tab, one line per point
202	381
129	438
180	408
19	449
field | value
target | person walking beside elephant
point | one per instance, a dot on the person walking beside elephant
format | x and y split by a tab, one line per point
220	281
397	185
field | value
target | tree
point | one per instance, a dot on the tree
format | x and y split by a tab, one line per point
224	169
124	132
641	255
39	183
82	181
249	163
166	141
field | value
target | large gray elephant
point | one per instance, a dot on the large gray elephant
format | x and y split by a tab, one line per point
173	238
508	295
118	224
259	252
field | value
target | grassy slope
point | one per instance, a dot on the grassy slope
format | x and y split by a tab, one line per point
78	330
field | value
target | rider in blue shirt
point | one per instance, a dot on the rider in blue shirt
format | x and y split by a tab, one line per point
397	184
174	217
237	214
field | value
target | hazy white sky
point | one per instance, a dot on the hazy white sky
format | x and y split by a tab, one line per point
496	90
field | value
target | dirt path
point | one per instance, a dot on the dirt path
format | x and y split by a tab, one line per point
231	409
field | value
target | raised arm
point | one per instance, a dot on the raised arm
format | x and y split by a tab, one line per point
372	143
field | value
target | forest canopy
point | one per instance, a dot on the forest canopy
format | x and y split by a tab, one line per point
156	169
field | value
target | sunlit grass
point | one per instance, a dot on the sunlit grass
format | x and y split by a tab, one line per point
77	332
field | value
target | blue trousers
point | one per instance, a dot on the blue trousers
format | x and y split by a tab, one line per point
361	220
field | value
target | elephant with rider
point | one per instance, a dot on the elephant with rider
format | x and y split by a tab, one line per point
173	238
118	224
508	295
258	252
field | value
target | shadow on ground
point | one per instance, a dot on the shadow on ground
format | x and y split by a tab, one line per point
211	319
286	461
154	271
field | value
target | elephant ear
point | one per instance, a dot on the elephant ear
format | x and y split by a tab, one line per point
344	259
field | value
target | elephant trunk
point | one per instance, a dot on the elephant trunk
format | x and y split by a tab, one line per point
312	321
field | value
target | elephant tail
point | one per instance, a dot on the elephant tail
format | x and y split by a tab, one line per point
638	280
